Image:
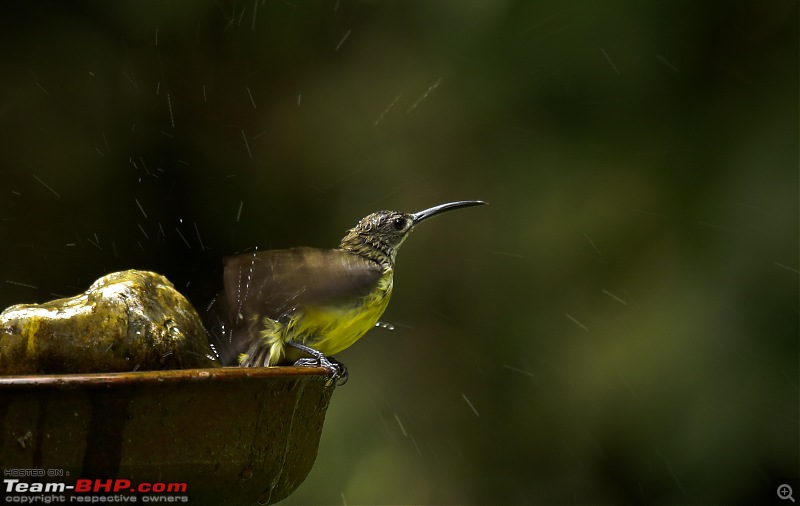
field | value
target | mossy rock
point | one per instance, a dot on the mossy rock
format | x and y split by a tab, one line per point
126	321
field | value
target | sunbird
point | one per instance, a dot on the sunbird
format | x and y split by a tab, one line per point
302	305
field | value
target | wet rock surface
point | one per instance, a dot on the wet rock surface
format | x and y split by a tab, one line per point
126	321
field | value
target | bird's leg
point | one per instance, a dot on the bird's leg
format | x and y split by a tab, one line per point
337	369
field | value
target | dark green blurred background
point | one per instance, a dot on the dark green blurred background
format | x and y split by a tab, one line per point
619	326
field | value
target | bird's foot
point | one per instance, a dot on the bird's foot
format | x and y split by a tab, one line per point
337	370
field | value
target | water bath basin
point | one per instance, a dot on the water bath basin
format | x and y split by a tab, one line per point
234	436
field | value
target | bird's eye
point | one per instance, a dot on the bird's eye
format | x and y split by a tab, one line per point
399	223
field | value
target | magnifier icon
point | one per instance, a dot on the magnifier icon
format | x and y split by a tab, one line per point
785	492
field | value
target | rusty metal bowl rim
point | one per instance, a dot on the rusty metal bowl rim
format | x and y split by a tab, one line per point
172	376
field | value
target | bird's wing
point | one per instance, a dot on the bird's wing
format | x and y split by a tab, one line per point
273	283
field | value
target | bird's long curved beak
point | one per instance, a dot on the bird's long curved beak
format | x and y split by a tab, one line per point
433	211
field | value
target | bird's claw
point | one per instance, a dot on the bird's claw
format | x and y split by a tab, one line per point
336	369
342	374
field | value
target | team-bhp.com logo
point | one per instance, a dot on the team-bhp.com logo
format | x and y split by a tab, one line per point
93	491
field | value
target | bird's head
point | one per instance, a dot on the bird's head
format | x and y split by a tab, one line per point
379	235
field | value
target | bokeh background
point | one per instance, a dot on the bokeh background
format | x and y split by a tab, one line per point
620	325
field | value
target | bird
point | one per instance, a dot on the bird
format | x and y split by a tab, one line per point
302	305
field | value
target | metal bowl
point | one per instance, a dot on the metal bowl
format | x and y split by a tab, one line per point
233	436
